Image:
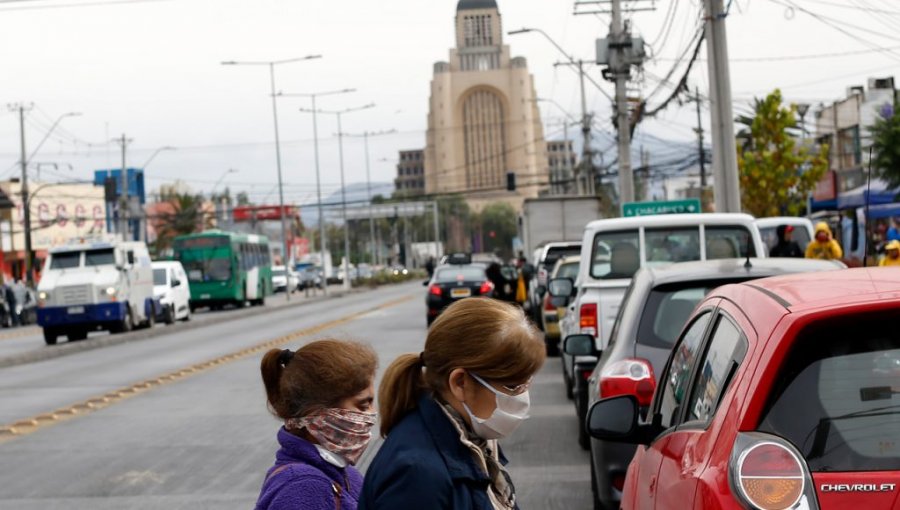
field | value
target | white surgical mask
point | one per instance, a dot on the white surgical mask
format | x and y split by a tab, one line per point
511	411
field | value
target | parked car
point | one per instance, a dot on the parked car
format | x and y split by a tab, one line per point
310	277
170	286
284	279
544	260
565	267
453	282
803	230
614	249
656	307
774	397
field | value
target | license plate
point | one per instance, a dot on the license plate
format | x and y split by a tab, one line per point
460	293
73	310
204	296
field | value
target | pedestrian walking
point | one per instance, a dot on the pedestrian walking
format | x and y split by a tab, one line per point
893	233
786	246
891	255
823	246
324	393
442	411
10	295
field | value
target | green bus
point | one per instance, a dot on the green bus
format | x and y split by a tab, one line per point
225	268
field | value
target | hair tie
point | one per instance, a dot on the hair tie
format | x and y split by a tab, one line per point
422	358
285	357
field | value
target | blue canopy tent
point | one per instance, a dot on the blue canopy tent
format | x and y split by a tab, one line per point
884	211
875	193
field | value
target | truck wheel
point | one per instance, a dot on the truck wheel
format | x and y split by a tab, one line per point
151	318
170	315
127	323
50	336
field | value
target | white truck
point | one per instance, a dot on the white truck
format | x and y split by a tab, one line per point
550	228
95	284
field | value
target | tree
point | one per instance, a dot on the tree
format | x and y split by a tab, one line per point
885	135
498	228
183	213
776	175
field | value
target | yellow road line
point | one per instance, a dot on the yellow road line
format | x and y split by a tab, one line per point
28	426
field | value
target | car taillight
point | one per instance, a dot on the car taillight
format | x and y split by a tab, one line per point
586	374
435	290
588	319
542	276
486	288
769	474
548	304
631	376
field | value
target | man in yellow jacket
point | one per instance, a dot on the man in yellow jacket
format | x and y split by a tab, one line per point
824	247
892	255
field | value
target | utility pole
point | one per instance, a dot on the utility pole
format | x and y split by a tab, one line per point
621	69
365	136
123	189
26	210
700	150
586	174
727	183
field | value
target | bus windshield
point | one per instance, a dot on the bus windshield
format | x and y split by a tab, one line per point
208	270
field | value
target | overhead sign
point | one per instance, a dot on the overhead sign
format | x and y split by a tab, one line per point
262	212
689	206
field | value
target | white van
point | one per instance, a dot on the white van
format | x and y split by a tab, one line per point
612	250
170	286
90	285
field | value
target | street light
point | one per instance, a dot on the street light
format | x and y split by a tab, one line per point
224	174
365	136
313	97
339	114
155	153
271	64
26	213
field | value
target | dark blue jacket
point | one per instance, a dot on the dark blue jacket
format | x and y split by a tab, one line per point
424	465
301	478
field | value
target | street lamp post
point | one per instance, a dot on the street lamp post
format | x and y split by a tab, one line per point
26	213
339	113
271	64
313	97
156	153
365	137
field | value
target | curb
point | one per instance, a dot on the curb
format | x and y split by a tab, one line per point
69	348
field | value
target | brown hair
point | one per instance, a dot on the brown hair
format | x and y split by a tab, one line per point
316	376
485	336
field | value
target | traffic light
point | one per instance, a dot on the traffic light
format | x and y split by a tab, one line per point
510	181
110	193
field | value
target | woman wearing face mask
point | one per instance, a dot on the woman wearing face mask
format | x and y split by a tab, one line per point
442	411
324	394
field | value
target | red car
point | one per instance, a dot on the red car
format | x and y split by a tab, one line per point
782	393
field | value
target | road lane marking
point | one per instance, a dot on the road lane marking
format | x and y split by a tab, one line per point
30	425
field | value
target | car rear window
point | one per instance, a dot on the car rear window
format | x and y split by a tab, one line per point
455	274
728	242
569	270
666	246
615	254
668	308
837	397
554	254
799	236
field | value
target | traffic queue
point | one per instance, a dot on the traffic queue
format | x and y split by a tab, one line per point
718	361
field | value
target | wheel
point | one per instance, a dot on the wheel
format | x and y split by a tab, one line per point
50	336
77	334
552	347
187	316
192	309
126	324
170	315
151	318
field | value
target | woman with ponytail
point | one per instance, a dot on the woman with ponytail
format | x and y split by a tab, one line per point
324	394
443	410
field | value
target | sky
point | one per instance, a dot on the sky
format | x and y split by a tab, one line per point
151	70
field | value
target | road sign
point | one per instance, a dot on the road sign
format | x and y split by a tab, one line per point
689	206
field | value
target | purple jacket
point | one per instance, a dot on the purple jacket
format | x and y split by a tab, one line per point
307	481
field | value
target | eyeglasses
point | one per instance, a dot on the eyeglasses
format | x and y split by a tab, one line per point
515	390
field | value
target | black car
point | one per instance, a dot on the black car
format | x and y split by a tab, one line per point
453	282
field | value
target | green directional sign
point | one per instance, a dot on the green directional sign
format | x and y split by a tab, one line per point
689	206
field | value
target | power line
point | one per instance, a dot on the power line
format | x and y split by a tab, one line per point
67	6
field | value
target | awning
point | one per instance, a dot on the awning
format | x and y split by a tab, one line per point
885	211
875	193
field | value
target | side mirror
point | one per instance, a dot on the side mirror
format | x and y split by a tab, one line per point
615	419
176	283
562	287
425	283
579	345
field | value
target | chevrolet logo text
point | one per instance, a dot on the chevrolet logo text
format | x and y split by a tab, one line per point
858	487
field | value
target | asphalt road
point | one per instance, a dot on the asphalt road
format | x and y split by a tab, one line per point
203	439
